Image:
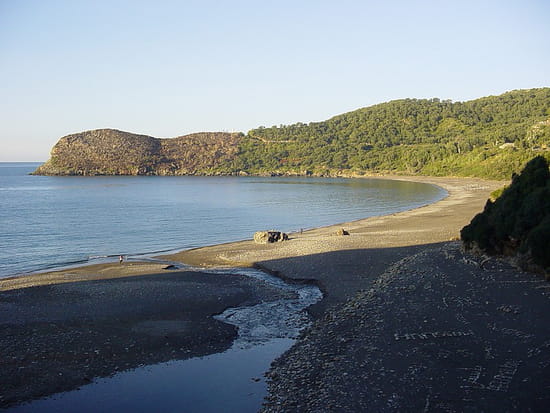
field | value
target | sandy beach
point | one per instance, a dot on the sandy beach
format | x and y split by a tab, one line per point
433	223
438	331
344	267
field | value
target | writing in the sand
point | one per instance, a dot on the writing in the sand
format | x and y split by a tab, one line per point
436	334
499	382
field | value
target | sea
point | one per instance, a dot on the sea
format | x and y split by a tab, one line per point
51	222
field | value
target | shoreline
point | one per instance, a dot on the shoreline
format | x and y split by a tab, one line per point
459	190
245	253
343	265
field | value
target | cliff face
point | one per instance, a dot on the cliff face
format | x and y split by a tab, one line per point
113	152
198	153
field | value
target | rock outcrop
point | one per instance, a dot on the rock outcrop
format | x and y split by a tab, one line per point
114	152
268	237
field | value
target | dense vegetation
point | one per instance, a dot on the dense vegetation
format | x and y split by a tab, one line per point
517	223
488	137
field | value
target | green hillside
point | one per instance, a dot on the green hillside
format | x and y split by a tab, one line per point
490	137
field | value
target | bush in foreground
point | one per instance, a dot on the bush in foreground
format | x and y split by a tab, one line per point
518	222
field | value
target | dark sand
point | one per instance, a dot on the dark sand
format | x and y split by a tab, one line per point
409	322
438	331
411	248
58	337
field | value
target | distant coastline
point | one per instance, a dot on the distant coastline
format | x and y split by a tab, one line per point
147	216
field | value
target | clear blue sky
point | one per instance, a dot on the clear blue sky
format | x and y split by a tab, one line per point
168	68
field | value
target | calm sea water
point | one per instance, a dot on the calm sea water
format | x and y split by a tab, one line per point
50	222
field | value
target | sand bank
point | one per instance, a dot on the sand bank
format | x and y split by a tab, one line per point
438	331
84	273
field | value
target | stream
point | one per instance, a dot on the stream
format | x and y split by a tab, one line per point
231	381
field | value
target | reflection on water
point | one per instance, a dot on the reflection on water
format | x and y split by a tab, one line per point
232	381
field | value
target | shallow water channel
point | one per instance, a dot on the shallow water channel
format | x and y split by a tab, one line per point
232	381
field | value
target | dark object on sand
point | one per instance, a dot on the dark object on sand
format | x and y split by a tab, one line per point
517	223
342	231
170	267
268	237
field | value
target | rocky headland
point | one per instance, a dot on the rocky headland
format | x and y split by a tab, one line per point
114	152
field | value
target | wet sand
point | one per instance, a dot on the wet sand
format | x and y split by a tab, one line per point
118	316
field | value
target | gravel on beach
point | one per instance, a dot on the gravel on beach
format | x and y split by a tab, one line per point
438	331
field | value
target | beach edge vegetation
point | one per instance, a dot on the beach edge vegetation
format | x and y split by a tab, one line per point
517	223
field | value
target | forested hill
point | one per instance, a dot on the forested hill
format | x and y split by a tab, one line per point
491	137
488	137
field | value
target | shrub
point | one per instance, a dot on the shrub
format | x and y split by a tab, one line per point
518	221
496	194
538	244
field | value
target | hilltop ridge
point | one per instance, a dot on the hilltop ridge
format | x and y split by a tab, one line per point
490	137
115	152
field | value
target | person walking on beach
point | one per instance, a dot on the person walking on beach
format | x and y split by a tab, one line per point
120	258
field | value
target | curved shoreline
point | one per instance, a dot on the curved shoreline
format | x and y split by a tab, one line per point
246	253
342	265
466	197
